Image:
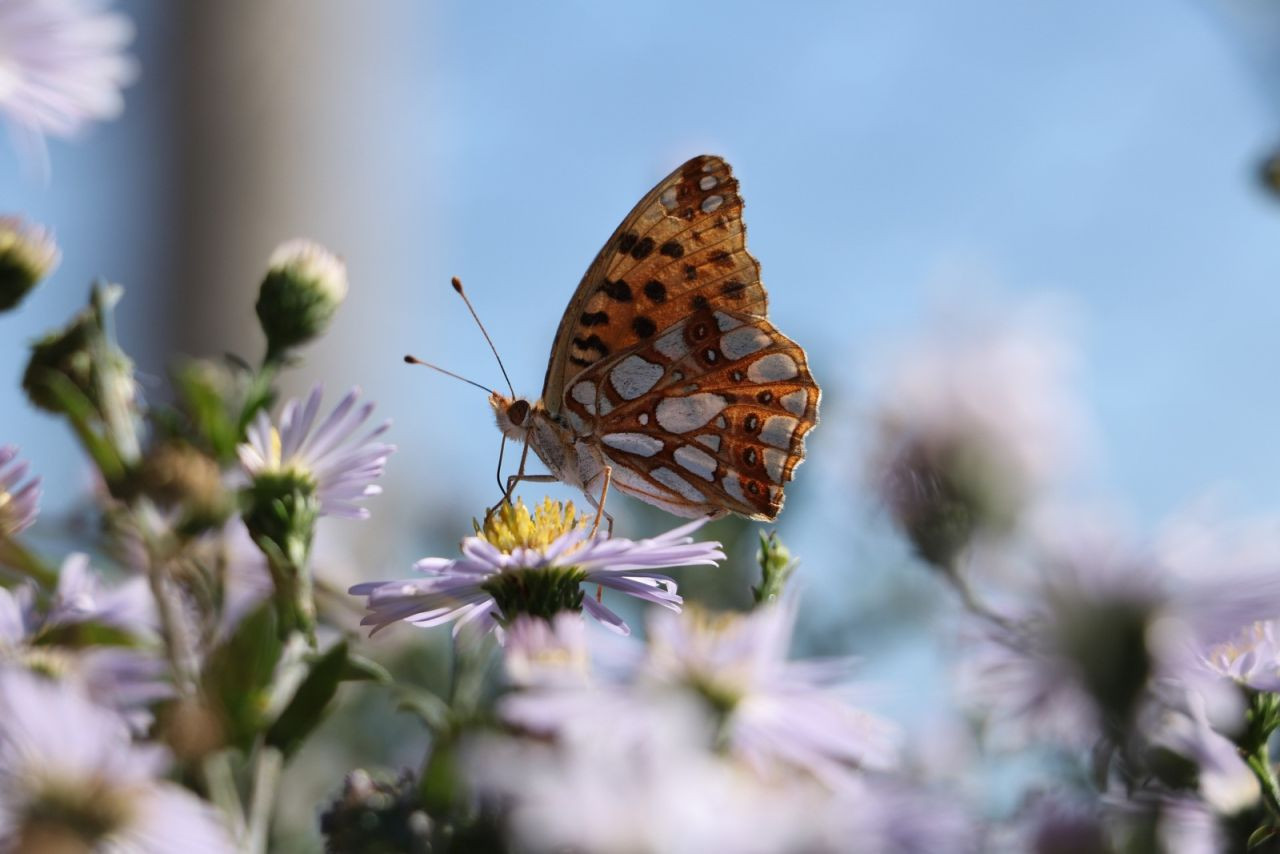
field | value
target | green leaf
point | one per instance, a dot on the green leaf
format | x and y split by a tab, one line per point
310	701
239	672
361	669
432	710
1261	836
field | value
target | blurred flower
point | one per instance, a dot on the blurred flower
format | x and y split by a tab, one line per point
27	254
324	462
1108	626
126	679
519	563
1225	782
81	597
1251	659
71	780
972	424
886	815
304	285
654	789
772	711
62	65
547	653
18	500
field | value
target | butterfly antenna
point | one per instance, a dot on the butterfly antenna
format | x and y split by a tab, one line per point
414	360
457	286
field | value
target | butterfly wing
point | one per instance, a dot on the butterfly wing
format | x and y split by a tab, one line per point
708	417
666	359
681	248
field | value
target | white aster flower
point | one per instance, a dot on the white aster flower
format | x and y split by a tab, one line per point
71	780
775	712
547	653
19	496
62	65
339	468
536	564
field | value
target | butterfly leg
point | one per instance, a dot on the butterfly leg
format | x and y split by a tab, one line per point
604	493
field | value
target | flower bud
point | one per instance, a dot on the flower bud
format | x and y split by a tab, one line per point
27	255
84	354
304	285
175	473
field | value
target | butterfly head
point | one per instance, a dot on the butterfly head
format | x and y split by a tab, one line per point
514	415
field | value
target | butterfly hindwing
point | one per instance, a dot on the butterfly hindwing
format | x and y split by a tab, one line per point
710	416
681	249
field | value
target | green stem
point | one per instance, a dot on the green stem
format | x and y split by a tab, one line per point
974	605
268	762
221	784
26	563
1259	763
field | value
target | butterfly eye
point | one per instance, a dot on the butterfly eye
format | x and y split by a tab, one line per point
517	412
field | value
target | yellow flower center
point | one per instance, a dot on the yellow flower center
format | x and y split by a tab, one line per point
513	526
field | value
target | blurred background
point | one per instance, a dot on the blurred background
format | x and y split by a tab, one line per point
1093	164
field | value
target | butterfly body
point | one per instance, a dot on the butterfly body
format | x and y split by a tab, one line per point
665	368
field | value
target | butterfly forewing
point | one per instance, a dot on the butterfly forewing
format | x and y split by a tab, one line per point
681	248
666	364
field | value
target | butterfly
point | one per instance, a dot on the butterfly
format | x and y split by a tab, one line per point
666	378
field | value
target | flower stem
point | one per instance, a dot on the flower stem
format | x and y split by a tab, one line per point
27	563
221	784
268	762
1259	763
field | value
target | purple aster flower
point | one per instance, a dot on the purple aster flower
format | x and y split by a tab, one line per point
71	780
340	469
775	712
1251	658
1109	628
536	564
62	66
81	597
19	495
128	680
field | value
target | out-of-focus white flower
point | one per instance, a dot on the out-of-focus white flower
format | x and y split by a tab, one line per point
884	815
536	564
71	780
62	65
774	711
1226	783
19	496
1108	625
654	789
541	653
972	424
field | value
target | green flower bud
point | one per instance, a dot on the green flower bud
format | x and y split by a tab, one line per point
304	285
70	353
378	816
27	255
